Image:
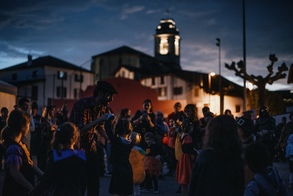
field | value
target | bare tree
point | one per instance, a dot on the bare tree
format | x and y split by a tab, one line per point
260	81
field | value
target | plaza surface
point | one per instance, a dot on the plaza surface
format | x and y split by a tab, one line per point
168	185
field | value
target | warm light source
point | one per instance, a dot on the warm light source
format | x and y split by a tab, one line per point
249	85
212	74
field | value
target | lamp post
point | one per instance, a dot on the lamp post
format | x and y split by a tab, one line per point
220	78
244	53
210	85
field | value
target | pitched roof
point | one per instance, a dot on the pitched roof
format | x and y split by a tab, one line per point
45	61
123	50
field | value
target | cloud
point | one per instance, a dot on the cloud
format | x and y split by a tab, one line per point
127	10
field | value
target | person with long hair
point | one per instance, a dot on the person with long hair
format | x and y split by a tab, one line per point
20	168
219	167
65	173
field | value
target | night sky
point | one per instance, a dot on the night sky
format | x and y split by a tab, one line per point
76	30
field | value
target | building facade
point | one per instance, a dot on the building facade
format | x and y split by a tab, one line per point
46	79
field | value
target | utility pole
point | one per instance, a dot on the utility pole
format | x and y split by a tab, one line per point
244	55
220	78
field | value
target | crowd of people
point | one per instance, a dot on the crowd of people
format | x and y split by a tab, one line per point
212	155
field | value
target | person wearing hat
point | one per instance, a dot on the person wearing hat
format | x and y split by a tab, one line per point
89	115
245	130
264	129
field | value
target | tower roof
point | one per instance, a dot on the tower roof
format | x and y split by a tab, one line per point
167	26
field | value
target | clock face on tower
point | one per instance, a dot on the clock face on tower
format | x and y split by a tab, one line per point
164	45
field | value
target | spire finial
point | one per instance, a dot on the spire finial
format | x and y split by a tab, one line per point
167	13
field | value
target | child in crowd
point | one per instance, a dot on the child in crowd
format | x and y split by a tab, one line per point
186	160
20	169
121	180
289	156
266	180
136	159
152	163
66	170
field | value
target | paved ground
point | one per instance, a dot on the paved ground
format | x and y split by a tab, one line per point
168	185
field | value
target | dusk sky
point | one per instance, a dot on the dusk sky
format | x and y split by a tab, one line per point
76	30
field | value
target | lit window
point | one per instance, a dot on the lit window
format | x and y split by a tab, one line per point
176	43
164	45
162	91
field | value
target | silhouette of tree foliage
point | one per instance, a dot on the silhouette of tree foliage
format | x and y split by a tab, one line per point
260	81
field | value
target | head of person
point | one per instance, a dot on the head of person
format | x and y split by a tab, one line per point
205	109
135	138
263	111
66	136
223	138
245	128
159	116
191	111
247	114
18	122
50	111
149	138
103	93
147	105
177	107
125	113
16	107
228	112
34	107
23	103
123	128
284	119
257	156
4	112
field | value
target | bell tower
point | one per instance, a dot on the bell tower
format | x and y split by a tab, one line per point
167	42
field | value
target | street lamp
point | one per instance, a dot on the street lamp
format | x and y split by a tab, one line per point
220	78
210	75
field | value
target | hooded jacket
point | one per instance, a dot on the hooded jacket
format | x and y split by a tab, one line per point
270	184
289	148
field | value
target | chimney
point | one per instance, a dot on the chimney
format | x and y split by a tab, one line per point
29	60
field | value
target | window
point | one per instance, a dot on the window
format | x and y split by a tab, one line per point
162	80
237	108
76	93
78	77
153	80
61	91
35	92
14	76
177	90
162	91
35	73
164	45
62	75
